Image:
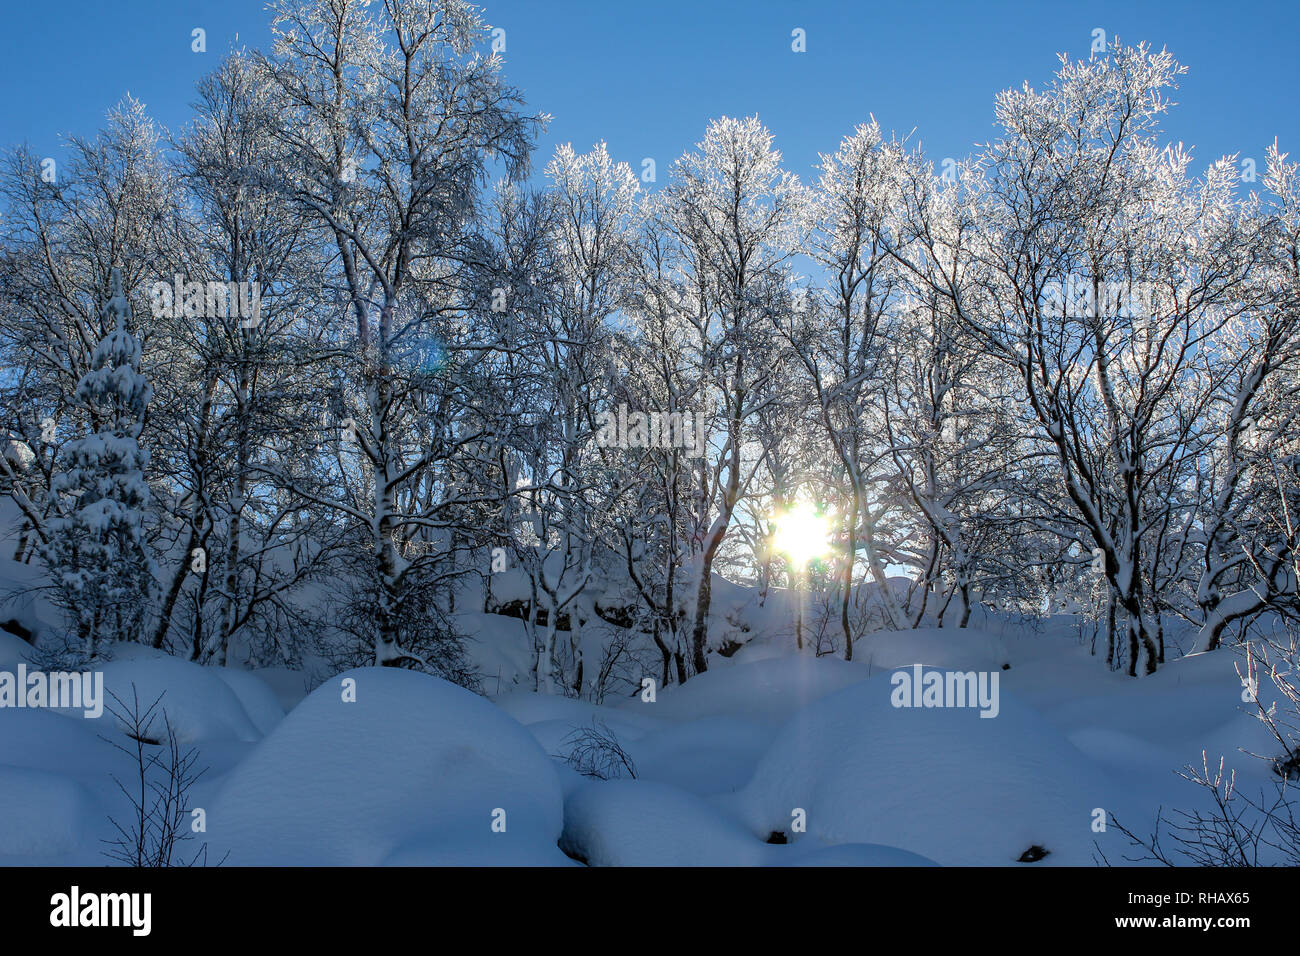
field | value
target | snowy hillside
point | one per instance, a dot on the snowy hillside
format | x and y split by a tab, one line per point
771	758
397	473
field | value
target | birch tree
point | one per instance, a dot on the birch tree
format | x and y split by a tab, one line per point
731	211
391	120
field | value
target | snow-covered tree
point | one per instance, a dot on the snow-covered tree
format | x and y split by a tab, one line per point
238	385
115	202
839	339
97	555
389	116
731	213
1105	274
1247	483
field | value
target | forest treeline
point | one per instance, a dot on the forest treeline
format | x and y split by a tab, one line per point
295	370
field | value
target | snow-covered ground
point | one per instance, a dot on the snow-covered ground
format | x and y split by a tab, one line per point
770	758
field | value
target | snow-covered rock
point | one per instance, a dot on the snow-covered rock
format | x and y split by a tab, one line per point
199	705
413	769
640	823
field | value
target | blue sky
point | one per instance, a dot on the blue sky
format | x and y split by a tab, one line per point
647	76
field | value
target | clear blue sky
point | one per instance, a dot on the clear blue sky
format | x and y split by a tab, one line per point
647	76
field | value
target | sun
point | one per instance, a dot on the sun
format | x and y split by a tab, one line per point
801	534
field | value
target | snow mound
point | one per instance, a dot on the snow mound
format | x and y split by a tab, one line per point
962	649
199	705
42	739
769	690
412	767
942	782
1191	704
13	649
1120	749
255	696
1236	741
41	814
639	823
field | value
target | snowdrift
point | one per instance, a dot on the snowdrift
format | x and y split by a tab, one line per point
413	770
198	702
944	783
639	823
41	813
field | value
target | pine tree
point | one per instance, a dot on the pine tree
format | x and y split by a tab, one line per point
97	555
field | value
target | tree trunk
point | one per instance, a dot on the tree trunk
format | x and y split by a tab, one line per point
174	590
846	579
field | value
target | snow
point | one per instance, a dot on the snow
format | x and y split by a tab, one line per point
707	756
255	696
198	703
956	649
532	709
57	787
412	768
856	854
1190	705
768	690
41	813
288	685
410	774
865	771
44	739
637	823
443	849
13	649
641	823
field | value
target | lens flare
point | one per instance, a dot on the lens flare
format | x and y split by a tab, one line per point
801	534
